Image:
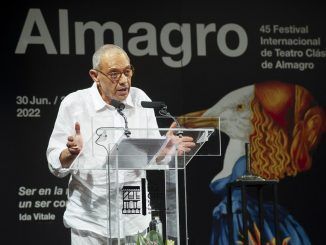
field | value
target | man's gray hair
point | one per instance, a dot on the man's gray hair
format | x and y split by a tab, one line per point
101	51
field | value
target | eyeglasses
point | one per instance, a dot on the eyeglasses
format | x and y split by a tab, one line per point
115	74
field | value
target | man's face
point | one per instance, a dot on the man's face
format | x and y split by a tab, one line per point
113	78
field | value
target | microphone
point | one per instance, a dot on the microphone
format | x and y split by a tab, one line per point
117	104
153	104
162	111
120	106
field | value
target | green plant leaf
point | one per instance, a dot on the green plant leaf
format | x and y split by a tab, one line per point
154	236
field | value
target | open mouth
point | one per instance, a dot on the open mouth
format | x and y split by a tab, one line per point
122	91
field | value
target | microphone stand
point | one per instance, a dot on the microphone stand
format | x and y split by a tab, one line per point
248	176
120	106
163	112
126	129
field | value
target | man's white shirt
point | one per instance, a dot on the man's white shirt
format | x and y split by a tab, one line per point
88	207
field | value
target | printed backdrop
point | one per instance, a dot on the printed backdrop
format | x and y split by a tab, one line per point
188	55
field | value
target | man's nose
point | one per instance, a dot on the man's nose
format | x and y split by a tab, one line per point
123	79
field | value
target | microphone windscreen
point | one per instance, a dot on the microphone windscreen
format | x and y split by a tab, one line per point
153	104
117	104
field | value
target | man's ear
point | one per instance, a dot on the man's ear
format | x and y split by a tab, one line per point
93	74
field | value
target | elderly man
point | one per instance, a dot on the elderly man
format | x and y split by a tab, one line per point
86	210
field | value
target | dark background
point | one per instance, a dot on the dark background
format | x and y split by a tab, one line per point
198	85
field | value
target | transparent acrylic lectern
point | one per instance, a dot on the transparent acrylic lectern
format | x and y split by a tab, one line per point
131	180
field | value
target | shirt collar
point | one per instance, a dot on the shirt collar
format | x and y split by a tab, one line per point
99	103
128	101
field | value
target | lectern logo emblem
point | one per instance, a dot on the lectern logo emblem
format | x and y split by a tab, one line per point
131	198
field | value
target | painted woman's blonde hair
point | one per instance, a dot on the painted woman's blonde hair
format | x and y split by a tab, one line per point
287	125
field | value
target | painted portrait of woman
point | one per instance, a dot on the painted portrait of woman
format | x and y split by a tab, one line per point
282	123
